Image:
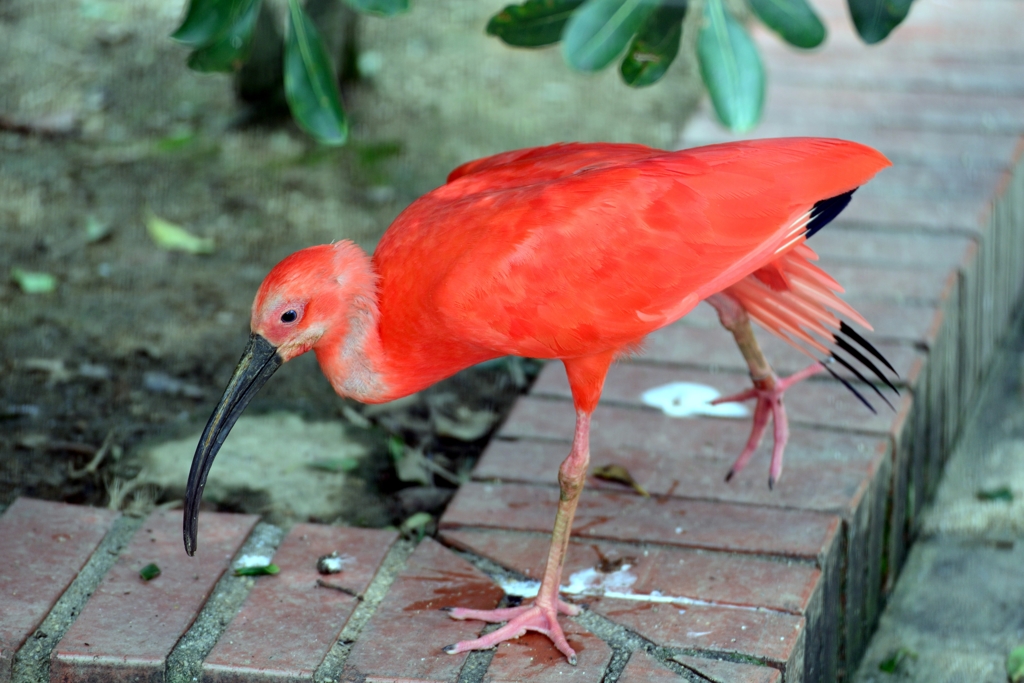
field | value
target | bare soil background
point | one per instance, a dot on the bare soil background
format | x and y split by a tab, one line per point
102	124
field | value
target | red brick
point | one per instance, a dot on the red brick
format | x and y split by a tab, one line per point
931	182
129	626
720	578
851	109
404	638
910	285
903	147
722	671
616	516
288	623
962	216
898	322
737	585
713	349
773	637
874	72
846	246
533	658
45	545
812	403
643	668
823	471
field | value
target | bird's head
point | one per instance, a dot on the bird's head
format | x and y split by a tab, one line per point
304	301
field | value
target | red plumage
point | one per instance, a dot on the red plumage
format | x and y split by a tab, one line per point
574	252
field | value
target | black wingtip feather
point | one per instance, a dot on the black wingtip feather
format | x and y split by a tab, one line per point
850	349
852	334
824	211
846	364
850	387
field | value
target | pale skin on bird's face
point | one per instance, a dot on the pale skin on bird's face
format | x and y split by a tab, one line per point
285	326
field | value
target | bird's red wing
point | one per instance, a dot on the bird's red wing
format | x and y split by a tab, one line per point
544	163
598	258
801	309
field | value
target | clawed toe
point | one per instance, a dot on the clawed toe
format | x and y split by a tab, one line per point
520	620
768	394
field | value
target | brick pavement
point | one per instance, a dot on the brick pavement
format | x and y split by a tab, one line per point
705	580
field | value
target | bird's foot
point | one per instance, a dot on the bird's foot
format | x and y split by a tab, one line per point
768	393
540	618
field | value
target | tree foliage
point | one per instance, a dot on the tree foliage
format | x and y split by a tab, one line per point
643	35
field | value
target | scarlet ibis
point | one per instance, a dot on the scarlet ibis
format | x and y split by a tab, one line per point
574	252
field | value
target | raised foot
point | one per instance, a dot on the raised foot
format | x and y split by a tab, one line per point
768	393
521	619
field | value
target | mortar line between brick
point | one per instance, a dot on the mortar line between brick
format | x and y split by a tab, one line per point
498	572
394	562
32	661
833	512
185	662
625	405
778	558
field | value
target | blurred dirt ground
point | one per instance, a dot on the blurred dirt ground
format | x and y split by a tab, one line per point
101	125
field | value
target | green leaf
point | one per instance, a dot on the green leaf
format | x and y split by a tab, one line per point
620	474
33	282
875	19
149	572
731	68
794	20
416	525
535	23
1015	665
309	83
231	51
95	230
386	8
654	47
207	21
173	237
895	661
600	30
267	569
1001	493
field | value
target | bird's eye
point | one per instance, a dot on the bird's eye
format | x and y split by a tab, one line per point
289	316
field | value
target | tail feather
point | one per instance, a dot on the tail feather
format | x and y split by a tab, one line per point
805	313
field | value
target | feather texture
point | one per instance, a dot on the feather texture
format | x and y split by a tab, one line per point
576	249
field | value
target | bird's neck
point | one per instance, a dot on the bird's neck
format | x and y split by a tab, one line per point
350	353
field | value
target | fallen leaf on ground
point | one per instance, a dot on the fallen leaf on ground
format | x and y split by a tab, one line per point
1015	665
95	231
1002	493
54	367
149	572
409	463
267	569
466	424
619	474
34	282
173	237
893	662
416	525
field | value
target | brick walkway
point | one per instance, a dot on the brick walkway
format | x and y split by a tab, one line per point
704	581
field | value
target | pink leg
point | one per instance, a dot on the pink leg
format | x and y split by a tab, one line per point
542	615
768	389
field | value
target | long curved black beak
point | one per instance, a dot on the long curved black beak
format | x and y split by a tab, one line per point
259	361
